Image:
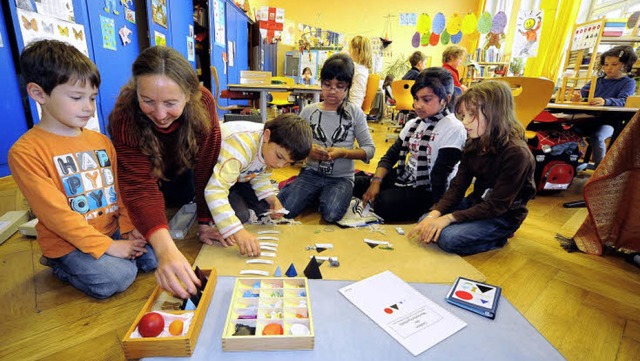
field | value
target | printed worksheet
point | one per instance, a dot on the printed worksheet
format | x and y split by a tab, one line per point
406	314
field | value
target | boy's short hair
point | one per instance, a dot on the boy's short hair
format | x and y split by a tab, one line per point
291	133
416	58
50	63
452	52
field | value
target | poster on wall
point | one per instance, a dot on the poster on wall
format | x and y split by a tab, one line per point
61	9
218	23
34	26
528	28
271	23
585	36
408	19
159	12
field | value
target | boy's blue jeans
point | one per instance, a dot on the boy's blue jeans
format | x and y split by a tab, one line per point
332	194
466	238
101	278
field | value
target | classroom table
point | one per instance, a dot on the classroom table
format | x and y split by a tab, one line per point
343	332
620	115
265	89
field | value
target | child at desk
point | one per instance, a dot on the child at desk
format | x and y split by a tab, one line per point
68	175
498	158
240	181
327	178
612	89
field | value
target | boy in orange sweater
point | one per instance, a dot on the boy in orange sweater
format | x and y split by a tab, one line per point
68	176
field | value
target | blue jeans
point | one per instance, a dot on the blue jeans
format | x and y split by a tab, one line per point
332	194
466	238
101	278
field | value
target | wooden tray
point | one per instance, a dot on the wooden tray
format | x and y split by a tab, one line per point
173	345
280	300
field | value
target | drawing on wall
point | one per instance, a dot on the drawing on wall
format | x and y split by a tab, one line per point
124	33
130	15
159	12
108	27
160	38
191	49
110	6
525	42
218	23
35	26
408	19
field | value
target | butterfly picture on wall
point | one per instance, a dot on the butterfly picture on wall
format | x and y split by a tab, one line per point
63	30
78	34
29	24
48	28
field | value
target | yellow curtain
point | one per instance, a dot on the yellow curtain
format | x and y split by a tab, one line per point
559	19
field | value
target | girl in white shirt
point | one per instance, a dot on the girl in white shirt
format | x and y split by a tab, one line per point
360	51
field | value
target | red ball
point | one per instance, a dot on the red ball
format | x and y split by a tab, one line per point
151	325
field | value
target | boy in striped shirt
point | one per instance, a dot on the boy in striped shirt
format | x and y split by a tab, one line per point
240	180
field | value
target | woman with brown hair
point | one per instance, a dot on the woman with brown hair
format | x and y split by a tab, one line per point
165	130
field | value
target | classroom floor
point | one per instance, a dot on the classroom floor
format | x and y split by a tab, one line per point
588	307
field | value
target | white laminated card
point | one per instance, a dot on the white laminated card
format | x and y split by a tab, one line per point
406	314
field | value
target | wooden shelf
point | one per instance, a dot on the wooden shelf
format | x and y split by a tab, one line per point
620	39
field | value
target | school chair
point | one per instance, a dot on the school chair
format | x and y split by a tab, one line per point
555	150
373	84
281	99
216	94
401	90
531	96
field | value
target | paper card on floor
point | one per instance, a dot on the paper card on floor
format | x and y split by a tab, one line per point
407	315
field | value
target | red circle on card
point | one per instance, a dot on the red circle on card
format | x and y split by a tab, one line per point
464	295
388	310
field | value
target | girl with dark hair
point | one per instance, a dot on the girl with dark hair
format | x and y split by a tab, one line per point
417	168
165	130
612	89
337	124
498	158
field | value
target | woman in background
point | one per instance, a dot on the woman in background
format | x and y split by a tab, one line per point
360	52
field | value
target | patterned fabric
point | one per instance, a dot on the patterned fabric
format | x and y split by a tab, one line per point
612	197
423	171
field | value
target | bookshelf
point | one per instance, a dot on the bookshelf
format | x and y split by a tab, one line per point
480	70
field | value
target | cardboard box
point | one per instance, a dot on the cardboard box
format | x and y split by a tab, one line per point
260	302
9	223
173	345
255	77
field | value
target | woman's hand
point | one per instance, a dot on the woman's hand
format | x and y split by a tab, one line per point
174	272
208	233
134	235
597	101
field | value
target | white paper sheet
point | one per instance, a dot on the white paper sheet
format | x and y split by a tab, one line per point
407	315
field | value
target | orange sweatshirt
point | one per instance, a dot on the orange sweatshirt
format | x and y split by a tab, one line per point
70	184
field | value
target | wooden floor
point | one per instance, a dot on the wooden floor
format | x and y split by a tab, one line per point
588	307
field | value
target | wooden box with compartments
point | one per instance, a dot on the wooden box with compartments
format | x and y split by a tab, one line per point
182	322
269	314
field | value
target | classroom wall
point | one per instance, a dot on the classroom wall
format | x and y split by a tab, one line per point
367	18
